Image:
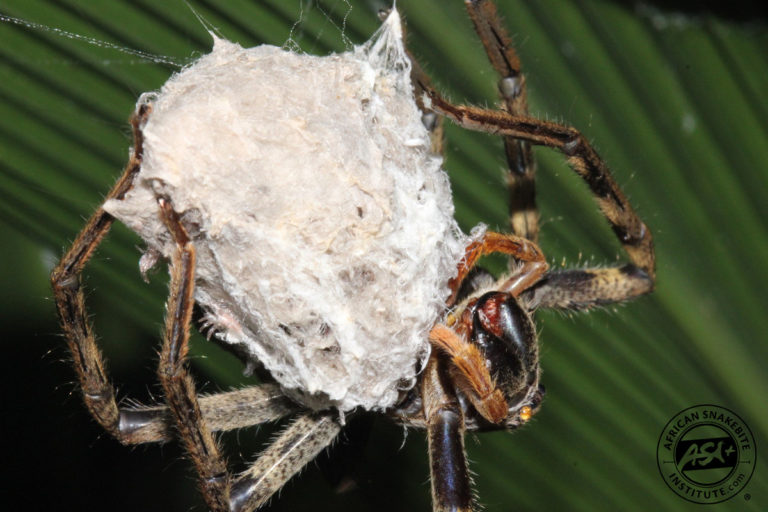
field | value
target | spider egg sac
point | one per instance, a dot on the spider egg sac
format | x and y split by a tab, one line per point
323	223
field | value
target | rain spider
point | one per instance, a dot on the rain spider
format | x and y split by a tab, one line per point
483	371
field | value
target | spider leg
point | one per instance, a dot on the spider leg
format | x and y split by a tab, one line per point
632	233
97	391
451	483
521	249
296	446
580	289
523	214
221	412
179	388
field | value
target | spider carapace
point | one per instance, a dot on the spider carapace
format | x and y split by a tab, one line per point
483	370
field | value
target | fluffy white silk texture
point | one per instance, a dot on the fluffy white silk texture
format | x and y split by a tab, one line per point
323	225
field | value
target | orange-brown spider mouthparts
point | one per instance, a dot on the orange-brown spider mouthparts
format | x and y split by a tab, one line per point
494	356
478	386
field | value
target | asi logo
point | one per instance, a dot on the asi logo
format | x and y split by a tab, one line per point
706	454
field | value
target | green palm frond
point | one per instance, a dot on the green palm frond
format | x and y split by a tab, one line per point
675	103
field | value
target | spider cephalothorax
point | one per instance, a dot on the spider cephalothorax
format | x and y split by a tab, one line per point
506	336
455	352
490	354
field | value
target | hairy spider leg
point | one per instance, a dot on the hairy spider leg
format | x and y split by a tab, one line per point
449	472
562	289
296	446
222	412
137	424
583	288
185	415
97	391
179	388
519	248
521	175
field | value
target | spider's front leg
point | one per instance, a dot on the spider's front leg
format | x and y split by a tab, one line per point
451	483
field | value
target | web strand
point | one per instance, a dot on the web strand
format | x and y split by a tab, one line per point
158	59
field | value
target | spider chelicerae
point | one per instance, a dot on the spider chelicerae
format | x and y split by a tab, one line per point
483	371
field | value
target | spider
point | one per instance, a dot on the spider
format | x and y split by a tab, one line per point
483	370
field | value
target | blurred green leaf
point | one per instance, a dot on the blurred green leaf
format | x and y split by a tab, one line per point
675	103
